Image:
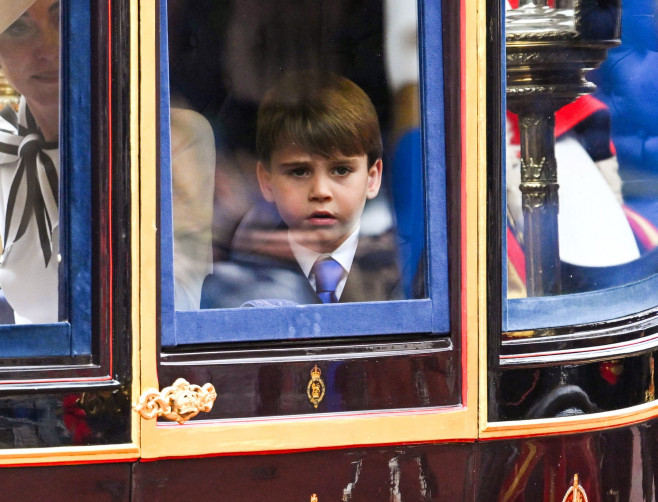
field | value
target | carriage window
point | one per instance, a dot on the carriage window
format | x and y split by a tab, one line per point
582	191
45	232
293	173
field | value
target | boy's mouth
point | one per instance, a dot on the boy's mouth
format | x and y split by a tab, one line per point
320	218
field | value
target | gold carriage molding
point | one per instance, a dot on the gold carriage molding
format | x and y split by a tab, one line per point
180	402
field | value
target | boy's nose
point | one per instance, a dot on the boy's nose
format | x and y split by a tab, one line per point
320	189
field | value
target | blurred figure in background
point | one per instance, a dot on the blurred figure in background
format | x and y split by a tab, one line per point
627	83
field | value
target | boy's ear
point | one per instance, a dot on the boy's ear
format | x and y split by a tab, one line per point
264	181
374	179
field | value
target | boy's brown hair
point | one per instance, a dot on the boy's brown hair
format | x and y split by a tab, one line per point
321	113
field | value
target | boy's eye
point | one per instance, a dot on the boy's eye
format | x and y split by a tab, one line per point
342	170
298	172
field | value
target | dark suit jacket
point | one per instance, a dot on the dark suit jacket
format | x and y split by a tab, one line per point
253	274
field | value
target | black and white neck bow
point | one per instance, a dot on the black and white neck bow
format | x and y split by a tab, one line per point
36	176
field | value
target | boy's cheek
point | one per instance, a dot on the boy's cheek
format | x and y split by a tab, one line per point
289	211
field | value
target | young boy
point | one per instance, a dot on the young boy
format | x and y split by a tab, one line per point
320	160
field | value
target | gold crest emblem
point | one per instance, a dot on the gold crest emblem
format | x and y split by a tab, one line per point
316	388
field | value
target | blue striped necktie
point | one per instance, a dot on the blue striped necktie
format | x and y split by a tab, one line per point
328	273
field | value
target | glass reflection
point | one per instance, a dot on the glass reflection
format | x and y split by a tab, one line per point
607	193
294	197
29	162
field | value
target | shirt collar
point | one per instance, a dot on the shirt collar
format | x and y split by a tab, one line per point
343	254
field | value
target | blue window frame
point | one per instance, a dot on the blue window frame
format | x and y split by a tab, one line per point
427	315
72	335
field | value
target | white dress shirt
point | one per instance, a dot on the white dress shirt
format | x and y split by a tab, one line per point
344	255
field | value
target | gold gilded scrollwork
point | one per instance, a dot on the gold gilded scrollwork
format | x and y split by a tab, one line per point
316	388
180	402
575	493
314	498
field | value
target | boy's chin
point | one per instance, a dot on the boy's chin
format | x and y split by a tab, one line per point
317	241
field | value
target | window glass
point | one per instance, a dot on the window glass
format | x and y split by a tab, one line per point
46	364
29	175
295	154
313	190
583	224
39	277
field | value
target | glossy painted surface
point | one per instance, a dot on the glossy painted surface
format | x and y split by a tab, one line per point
365	377
543	392
574	370
613	466
623	336
99	483
405	473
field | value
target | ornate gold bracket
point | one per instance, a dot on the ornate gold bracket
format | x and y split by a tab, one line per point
180	402
575	493
316	388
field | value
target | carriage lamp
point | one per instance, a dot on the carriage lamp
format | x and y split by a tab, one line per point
549	49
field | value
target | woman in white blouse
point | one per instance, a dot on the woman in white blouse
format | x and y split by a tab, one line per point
29	172
29	160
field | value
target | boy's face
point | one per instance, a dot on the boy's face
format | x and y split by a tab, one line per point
320	199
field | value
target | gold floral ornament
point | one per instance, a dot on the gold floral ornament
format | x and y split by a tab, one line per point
314	498
316	388
575	493
180	402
